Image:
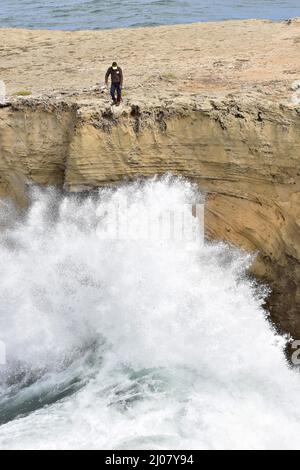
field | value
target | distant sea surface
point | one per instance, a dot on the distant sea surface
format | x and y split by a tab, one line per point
101	14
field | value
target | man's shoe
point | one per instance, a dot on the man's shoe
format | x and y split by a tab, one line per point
118	103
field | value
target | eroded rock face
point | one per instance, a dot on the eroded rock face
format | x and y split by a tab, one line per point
34	145
218	103
244	156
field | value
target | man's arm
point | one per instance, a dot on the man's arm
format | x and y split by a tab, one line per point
121	77
107	75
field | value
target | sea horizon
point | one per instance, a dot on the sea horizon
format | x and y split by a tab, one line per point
103	14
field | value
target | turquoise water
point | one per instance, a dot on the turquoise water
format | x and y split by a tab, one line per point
99	14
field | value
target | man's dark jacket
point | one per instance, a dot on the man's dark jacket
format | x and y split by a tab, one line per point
116	76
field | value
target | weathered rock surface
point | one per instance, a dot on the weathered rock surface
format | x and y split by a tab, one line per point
237	135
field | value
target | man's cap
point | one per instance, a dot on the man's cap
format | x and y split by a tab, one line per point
114	64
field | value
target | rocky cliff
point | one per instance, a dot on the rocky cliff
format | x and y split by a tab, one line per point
227	117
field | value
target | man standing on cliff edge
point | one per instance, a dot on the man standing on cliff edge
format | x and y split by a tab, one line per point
116	74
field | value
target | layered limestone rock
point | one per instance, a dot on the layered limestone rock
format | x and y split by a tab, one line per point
239	142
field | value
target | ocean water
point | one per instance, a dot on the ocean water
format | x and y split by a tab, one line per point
101	14
116	343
